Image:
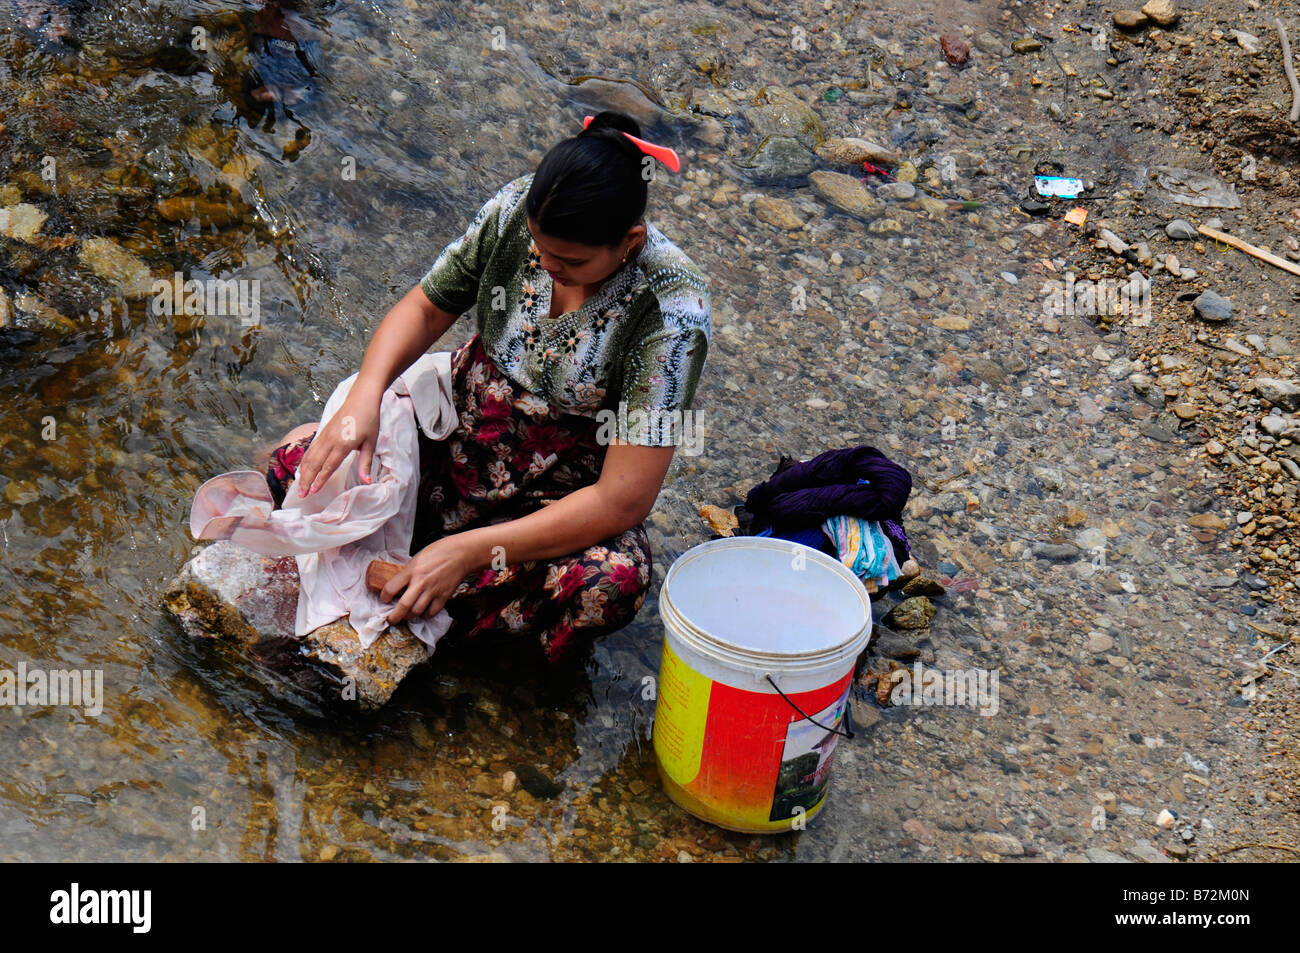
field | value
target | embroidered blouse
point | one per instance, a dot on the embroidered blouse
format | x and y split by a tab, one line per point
635	348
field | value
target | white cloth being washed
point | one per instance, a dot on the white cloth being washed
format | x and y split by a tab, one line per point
335	532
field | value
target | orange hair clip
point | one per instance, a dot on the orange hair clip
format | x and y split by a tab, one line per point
665	155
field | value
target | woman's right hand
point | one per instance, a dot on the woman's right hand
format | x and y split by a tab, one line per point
354	427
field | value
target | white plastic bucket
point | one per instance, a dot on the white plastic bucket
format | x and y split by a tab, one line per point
744	617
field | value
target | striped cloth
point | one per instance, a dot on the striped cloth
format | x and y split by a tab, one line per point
863	547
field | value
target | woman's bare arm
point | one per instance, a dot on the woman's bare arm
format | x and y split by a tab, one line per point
624	495
407	331
629	484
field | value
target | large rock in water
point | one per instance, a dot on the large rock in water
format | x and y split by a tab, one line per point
856	151
778	158
250	601
846	193
622	95
780	112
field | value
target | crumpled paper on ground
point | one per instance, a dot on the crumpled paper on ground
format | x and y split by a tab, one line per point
1200	189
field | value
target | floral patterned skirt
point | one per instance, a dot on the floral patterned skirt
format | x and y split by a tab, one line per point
511	454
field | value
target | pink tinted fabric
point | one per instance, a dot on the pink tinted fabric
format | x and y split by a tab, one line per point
335	532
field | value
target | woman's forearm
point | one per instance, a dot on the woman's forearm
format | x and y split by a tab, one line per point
569	525
407	331
629	484
623	496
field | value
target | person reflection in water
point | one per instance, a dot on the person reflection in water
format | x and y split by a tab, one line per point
286	62
49	22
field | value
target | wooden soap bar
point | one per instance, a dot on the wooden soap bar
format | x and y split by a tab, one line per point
379	572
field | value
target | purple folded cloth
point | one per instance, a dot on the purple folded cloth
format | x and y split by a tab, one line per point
897	539
801	496
827	486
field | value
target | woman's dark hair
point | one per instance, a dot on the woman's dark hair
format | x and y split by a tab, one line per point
590	189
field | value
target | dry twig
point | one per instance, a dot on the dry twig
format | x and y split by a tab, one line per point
1229	850
1290	70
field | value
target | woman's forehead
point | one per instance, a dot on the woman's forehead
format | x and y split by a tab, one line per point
559	246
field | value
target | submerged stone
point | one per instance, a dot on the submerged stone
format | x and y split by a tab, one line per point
914	612
846	193
621	95
778	158
118	266
185	208
782	113
780	213
856	151
21	222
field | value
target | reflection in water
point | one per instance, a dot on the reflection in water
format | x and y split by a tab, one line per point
284	70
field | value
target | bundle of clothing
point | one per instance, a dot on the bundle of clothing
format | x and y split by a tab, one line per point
336	532
845	503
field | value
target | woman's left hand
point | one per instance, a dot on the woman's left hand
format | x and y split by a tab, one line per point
429	579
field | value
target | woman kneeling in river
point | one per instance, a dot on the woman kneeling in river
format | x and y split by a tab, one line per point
530	518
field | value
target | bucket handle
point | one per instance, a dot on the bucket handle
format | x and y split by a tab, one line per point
848	708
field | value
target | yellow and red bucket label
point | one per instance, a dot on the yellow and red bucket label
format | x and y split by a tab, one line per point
745	760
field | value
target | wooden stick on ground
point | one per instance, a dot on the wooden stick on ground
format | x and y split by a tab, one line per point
1229	850
1249	249
1290	70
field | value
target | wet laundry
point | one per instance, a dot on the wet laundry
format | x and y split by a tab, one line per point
846	503
335	532
863	546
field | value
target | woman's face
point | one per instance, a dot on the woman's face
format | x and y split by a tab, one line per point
574	264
